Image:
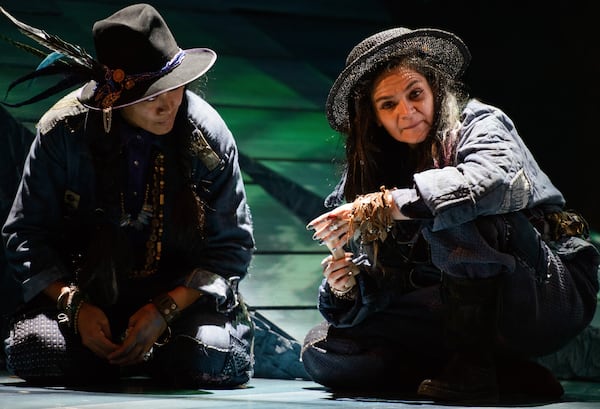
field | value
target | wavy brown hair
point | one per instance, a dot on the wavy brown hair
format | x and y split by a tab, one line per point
369	150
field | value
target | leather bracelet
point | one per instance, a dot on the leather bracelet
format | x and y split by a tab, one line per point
166	305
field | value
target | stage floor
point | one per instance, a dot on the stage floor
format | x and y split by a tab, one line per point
276	64
259	393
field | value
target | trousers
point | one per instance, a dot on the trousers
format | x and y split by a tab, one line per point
207	348
547	296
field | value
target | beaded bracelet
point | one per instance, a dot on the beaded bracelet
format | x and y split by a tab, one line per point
75	300
166	305
348	294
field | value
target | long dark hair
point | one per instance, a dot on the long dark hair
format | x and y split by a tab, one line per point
104	258
108	257
369	149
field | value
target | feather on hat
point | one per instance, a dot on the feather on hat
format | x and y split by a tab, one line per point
137	58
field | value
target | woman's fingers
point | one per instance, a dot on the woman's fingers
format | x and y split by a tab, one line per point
332	233
340	213
342	282
340	273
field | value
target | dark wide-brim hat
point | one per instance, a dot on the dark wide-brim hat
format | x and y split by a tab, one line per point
446	51
142	59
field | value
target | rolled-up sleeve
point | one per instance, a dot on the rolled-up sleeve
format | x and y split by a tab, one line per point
494	173
228	243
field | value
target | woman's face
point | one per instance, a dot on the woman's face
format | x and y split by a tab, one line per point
404	105
157	114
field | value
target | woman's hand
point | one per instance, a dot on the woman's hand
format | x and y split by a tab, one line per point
340	272
145	327
331	228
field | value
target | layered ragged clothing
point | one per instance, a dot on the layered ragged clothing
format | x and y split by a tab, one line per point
491	215
59	207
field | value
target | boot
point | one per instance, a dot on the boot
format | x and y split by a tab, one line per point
526	381
470	328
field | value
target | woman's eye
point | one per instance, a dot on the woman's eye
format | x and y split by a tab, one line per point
387	105
416	93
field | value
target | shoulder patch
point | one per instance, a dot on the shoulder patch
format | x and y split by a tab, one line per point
202	150
67	106
517	194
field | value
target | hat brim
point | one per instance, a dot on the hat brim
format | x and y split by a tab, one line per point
447	49
197	61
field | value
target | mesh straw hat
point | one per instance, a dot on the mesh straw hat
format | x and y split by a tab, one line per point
444	49
142	59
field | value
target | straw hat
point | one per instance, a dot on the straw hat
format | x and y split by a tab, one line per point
444	49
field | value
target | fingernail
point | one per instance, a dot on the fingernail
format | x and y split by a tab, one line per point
310	227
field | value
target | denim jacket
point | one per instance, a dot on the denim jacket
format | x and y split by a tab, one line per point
52	208
495	173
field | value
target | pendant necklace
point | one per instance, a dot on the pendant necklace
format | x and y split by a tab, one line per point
143	217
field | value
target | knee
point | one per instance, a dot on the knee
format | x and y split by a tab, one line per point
35	347
329	360
187	362
495	230
319	366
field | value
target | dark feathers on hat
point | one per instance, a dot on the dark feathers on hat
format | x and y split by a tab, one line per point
137	58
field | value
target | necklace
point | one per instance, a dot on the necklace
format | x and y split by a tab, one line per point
151	213
143	217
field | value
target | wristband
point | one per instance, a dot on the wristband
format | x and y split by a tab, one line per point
166	306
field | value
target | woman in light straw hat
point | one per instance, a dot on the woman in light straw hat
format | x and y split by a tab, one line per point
130	231
453	259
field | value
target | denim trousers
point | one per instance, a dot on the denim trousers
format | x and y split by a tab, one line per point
546	296
207	348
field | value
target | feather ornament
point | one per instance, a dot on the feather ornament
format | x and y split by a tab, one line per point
70	61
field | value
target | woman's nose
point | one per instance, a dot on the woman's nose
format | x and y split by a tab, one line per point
404	108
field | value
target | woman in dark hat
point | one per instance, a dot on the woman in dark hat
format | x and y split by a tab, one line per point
130	231
454	262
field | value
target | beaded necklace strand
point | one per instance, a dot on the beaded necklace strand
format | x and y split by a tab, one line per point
152	213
